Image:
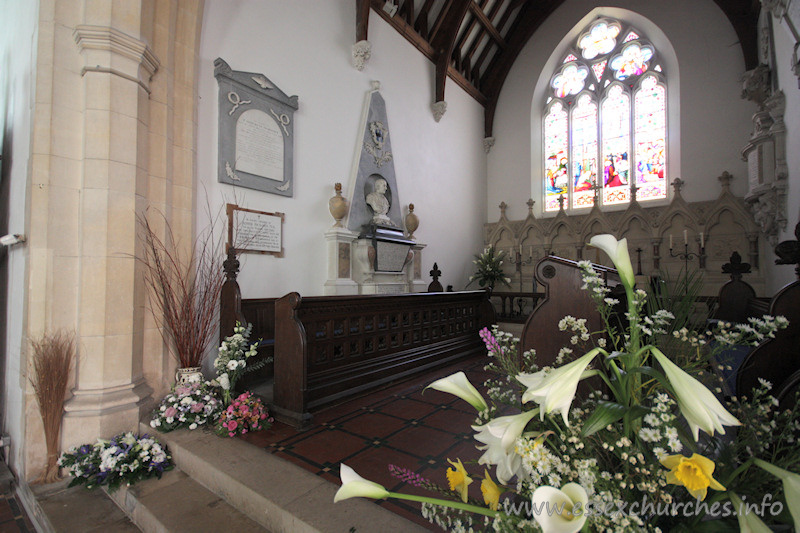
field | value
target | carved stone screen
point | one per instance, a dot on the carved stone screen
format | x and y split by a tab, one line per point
256	131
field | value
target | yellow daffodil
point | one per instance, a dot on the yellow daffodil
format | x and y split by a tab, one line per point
791	488
554	390
748	522
499	436
560	511
491	492
695	473
355	486
458	385
458	479
618	252
698	405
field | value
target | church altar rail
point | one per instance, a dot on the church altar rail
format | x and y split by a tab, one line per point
329	348
515	307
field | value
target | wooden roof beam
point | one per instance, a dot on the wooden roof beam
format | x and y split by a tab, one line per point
362	19
487	24
445	39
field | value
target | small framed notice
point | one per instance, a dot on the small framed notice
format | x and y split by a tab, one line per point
255	231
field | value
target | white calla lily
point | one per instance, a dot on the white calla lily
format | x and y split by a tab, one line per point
560	511
698	405
618	252
458	385
499	437
791	488
355	486
554	390
748	522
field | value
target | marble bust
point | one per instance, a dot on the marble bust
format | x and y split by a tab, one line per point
379	204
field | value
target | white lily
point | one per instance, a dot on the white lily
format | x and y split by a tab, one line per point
698	405
458	385
791	488
355	486
499	437
560	511
618	252
554	390
748	522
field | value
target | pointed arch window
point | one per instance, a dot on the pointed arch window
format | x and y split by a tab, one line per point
605	121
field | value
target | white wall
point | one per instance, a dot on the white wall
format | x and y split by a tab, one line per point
780	275
304	47
18	35
714	121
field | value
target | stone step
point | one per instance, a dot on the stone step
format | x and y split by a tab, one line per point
176	503
278	495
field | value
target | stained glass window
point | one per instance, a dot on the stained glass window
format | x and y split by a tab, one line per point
616	139
598	69
604	139
556	145
584	152
632	61
651	142
570	80
600	39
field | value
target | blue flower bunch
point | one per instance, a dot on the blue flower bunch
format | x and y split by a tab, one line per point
125	459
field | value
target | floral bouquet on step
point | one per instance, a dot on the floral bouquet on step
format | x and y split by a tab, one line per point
654	447
246	413
191	405
231	362
125	459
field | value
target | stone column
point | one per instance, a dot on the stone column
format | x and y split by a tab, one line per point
109	382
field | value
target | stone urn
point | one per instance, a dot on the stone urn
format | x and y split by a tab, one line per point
412	221
338	206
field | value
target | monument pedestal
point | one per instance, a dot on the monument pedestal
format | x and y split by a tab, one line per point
352	264
340	253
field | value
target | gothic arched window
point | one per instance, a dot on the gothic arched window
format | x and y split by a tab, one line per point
605	121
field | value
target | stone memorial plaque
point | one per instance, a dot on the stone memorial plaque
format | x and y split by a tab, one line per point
256	131
390	256
255	231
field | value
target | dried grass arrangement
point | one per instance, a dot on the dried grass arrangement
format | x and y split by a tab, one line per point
53	354
184	287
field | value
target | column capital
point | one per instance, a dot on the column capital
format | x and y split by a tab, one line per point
112	51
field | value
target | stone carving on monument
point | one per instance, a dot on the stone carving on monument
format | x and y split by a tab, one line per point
382	259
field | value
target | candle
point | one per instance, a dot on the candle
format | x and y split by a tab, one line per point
685	236
702	241
670	241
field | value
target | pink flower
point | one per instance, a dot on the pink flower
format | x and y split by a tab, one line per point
263	416
197	407
232	424
231	434
170	412
244	431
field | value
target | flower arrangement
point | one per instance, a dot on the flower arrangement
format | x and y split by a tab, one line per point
126	458
489	269
231	362
653	449
192	405
184	284
246	413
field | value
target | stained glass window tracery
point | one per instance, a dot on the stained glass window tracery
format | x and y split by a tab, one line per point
604	139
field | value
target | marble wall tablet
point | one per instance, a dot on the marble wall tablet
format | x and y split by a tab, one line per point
256	131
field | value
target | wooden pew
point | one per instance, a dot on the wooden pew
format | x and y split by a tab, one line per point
561	281
329	348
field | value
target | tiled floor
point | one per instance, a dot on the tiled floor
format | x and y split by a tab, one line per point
12	516
399	425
